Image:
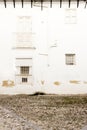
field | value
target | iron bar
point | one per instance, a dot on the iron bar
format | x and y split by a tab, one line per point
5	3
14	3
50	3
69	3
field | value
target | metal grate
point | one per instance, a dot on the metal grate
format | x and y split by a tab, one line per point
32	2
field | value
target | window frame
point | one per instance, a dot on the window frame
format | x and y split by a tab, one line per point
24	80
70	59
24	70
70	16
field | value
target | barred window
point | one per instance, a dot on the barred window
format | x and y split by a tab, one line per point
24	69
24	80
70	59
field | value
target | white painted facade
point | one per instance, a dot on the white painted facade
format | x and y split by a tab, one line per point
43	47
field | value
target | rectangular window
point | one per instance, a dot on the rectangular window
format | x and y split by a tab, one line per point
24	69
24	24
70	59
24	36
24	80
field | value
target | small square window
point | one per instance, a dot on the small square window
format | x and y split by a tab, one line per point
70	59
24	80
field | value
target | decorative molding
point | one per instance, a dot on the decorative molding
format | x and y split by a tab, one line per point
24	48
45	54
20	58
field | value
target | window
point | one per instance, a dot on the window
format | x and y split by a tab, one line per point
24	80
24	24
24	36
70	16
70	59
24	69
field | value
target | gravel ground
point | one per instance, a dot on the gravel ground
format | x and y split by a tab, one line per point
47	112
11	121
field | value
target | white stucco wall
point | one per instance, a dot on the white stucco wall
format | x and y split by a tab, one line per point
53	39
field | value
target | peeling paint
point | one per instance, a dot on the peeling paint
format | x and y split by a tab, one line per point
42	82
85	82
74	81
8	83
56	83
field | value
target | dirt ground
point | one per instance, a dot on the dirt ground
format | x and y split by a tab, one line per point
43	112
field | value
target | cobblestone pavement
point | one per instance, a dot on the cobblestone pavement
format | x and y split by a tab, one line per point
11	121
48	112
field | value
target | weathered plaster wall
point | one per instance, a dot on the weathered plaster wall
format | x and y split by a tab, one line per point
53	39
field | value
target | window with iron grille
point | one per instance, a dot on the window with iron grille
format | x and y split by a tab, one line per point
70	59
24	69
24	80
